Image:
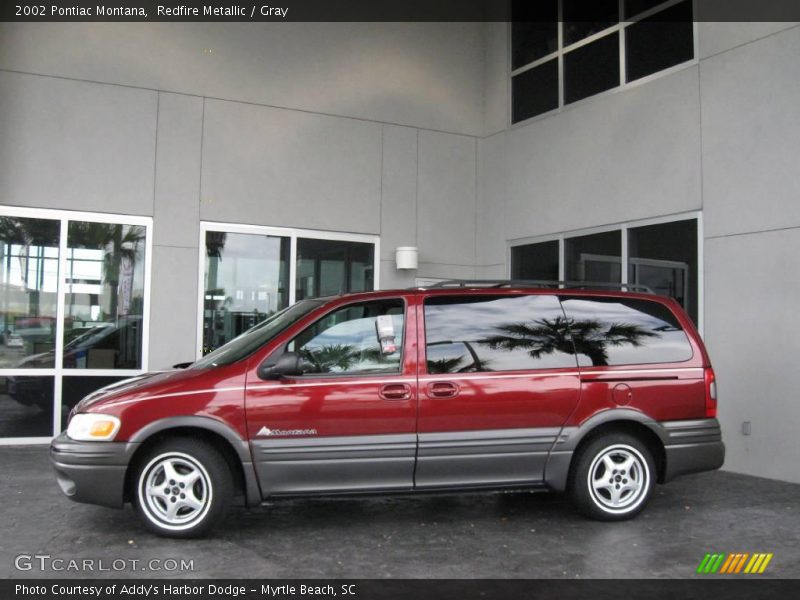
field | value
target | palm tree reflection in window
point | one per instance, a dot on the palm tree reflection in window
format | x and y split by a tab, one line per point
590	337
345	358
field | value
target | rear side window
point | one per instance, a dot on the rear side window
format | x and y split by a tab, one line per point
467	334
623	331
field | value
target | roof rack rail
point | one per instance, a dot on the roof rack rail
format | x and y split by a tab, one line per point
542	283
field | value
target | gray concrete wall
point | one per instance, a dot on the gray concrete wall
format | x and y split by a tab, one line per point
721	136
288	125
420	74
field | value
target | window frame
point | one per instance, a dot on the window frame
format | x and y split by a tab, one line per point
561	50
58	371
622	228
293	234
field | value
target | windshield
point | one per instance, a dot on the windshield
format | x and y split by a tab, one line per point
251	340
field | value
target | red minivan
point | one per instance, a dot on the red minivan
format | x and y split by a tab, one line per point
464	386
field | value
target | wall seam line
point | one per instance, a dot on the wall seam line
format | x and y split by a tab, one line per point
155	157
756	232
247	102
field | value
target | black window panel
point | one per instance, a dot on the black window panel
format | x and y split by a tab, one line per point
535	91
591	69
582	19
664	257
496	333
595	257
331	267
637	7
26	406
659	41
534	31
535	261
622	331
75	389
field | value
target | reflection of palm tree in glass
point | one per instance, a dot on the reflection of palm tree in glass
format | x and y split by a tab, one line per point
117	242
445	365
591	338
344	357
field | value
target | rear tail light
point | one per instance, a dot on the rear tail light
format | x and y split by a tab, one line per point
711	393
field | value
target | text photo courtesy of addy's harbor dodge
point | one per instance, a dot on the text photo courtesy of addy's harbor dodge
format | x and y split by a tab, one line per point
182	590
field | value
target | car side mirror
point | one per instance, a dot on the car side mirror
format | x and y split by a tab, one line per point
288	365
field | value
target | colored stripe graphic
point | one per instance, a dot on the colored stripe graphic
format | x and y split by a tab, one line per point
734	563
726	566
703	563
764	564
740	564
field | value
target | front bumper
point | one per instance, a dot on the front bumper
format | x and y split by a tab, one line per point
91	472
692	446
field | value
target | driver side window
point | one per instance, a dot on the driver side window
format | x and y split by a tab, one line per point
364	338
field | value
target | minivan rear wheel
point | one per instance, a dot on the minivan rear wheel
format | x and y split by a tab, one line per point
613	477
182	488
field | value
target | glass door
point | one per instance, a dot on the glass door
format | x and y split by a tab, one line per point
73	312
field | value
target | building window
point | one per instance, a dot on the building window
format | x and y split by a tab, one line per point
662	256
595	257
330	267
72	300
249	273
591	48
535	261
246	281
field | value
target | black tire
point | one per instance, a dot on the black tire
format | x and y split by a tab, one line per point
193	499
612	478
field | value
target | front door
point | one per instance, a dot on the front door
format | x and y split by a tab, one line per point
498	379
348	423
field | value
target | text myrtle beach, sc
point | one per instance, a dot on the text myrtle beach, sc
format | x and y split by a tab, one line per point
180	11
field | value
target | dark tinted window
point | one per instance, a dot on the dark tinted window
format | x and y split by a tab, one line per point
534	32
359	338
664	258
535	91
535	261
636	7
595	257
614	331
582	19
496	333
332	267
591	69
659	42
26	406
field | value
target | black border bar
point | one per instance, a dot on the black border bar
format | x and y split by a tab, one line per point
703	588
343	10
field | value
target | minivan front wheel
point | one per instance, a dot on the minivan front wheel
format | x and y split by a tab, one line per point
613	477
183	487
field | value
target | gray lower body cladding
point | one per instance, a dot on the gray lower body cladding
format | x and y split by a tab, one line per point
690	446
94	472
91	472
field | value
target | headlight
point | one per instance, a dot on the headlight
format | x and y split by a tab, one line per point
87	427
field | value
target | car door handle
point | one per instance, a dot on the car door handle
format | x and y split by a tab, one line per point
396	391
442	389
